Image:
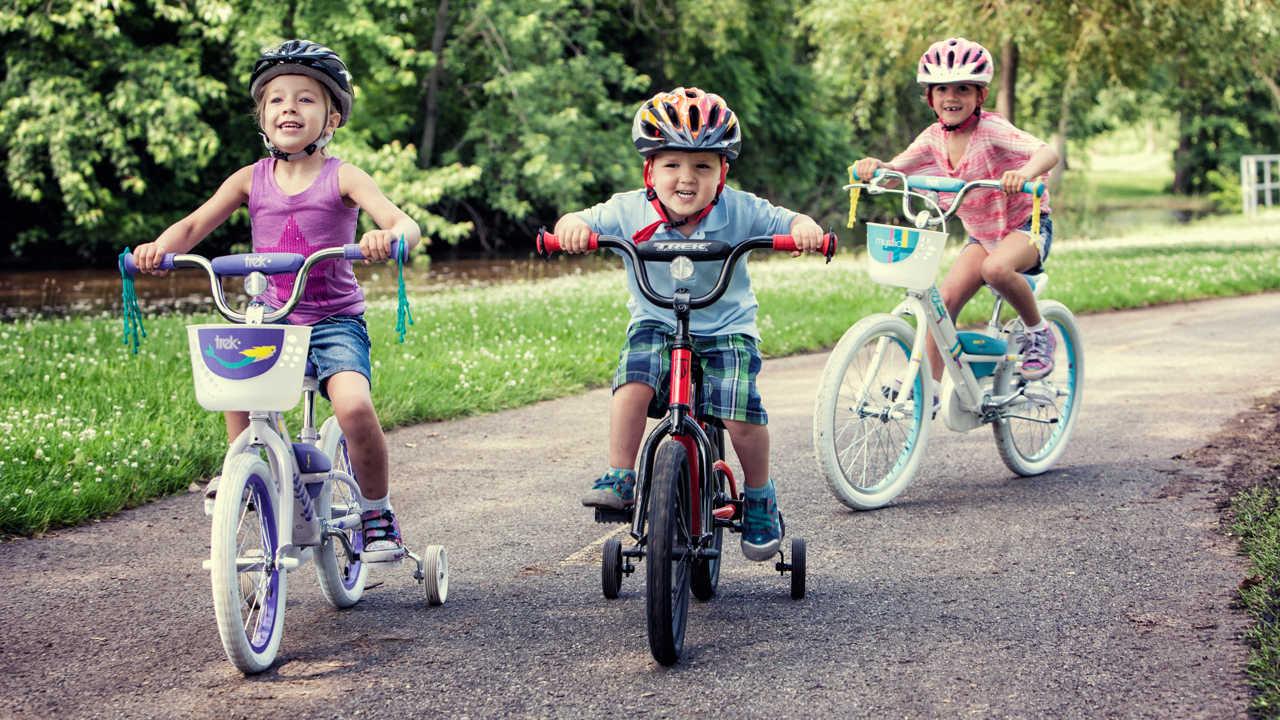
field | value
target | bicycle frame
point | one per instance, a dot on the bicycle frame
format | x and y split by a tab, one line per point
266	432
927	305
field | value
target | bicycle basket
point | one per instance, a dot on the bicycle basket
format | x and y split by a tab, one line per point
248	367
904	257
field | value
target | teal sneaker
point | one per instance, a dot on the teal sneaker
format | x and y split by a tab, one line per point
615	489
761	526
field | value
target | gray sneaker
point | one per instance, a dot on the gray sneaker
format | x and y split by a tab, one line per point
615	489
1037	354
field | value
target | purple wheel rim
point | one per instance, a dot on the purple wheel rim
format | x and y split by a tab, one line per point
261	634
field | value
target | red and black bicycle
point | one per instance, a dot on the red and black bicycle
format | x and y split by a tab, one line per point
686	495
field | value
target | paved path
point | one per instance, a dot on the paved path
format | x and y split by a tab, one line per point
1099	590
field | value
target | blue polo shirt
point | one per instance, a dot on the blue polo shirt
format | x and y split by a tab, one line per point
739	215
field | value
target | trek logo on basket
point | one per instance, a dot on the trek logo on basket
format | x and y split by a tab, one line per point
891	244
240	353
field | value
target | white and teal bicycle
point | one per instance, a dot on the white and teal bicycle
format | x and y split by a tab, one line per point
871	422
279	503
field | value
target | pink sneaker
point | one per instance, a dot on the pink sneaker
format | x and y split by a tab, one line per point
382	541
1037	354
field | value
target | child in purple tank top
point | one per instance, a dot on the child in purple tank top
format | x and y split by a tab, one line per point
301	200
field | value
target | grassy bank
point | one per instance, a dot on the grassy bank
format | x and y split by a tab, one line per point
1257	524
87	428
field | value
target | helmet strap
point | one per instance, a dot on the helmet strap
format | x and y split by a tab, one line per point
966	124
651	195
311	149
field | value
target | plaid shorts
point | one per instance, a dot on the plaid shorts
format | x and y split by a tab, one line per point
729	366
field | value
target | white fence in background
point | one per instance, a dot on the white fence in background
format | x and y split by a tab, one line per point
1259	181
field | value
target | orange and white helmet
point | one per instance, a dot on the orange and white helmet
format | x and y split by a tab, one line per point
686	119
955	60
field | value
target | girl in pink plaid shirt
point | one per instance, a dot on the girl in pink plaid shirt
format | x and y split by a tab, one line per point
970	144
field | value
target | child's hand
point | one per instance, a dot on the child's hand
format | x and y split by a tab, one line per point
148	256
1012	181
807	234
376	245
574	234
866	167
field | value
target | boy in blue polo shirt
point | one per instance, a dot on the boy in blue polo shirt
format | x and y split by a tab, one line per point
687	138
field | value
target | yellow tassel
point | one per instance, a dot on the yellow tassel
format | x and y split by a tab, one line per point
1035	219
853	200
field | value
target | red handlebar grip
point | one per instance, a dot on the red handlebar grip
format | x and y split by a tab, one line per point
548	243
788	243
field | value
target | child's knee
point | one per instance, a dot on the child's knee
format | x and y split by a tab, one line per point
745	430
996	269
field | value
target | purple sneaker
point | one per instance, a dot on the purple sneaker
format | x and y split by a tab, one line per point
1037	354
381	533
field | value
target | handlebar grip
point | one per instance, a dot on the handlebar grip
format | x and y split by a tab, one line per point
876	174
352	251
130	268
787	243
547	243
1033	188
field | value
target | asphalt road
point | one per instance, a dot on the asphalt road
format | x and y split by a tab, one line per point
1102	589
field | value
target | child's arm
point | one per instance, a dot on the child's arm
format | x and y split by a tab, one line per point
185	234
1040	162
574	233
392	222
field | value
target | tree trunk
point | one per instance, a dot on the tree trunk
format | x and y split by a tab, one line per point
1181	158
1006	102
431	110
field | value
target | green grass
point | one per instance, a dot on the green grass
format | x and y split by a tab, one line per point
87	428
1257	524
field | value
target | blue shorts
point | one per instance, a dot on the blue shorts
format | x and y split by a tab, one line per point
340	343
728	365
1046	240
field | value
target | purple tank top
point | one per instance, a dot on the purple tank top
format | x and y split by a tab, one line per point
314	219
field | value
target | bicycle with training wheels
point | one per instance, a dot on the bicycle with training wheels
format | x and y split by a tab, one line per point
686	495
279	503
871	422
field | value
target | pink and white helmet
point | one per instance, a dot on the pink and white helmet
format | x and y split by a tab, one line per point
955	60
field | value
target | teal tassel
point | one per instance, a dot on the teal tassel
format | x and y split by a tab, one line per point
404	317
133	329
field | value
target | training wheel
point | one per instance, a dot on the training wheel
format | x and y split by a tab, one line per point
611	568
436	581
797	568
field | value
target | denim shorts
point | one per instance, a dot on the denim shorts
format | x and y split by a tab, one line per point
339	343
728	364
1046	240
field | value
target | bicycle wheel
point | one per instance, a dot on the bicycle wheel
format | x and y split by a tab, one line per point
248	586
1031	435
671	556
611	568
868	434
342	577
706	572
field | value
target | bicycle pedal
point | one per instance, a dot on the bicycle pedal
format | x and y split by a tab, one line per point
606	516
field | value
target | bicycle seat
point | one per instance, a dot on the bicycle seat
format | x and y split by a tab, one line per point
310	458
310	370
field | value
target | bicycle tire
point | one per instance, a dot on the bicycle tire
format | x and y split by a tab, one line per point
1032	436
867	443
670	560
342	577
248	596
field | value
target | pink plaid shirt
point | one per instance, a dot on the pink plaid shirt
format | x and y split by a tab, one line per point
995	147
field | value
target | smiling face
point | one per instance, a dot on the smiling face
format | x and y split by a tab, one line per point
685	182
295	109
954	103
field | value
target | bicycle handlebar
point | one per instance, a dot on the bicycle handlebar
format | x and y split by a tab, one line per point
913	184
265	263
946	184
668	250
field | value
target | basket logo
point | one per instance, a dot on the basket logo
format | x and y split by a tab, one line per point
240	353
889	244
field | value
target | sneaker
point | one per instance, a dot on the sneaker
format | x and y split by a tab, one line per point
761	526
1037	354
381	533
615	489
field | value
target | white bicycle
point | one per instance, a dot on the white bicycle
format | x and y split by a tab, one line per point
278	503
872	418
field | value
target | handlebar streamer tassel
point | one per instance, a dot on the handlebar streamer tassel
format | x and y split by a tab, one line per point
133	329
